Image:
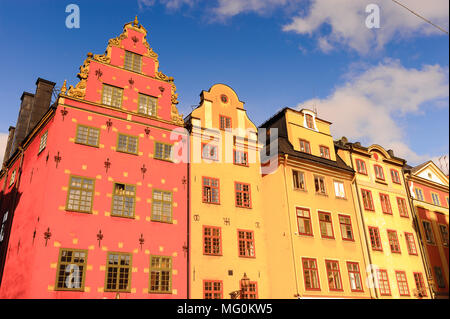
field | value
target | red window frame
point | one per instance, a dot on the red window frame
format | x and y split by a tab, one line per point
210	147
326	153
244	250
249	292
244	203
223	123
323	216
211	291
402	207
370	207
355	273
306	149
345	224
303	219
395	175
242	154
332	273
311	270
375	239
309	121
211	238
394	244
385	204
377	176
205	196
402	283
411	244
361	166
420	283
383	283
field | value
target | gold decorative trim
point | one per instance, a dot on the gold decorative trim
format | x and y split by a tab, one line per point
79	91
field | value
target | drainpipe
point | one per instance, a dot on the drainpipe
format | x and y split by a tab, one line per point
364	230
426	262
290	225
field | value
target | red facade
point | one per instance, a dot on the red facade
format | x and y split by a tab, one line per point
44	224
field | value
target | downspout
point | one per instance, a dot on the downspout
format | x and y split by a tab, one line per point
425	260
364	230
188	291
290	226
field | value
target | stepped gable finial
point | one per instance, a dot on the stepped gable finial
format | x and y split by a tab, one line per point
64	88
135	22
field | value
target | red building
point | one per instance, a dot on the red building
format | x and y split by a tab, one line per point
428	189
93	204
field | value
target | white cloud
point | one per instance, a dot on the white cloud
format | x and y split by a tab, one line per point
442	162
3	141
230	8
346	19
170	4
364	108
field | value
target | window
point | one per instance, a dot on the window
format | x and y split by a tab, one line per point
147	105
112	96
118	272
160	274
402	283
246	243
361	167
249	292
210	190
402	209
355	276
225	123
2	229
429	236
162	206
420	284
304	221
367	199
319	183
241	158
395	176
379	174
304	146
410	244
43	142
310	274
326	225
444	234
12	178
212	241
375	239
435	198
163	151
212	289
123	200
127	144
80	194
71	269
439	277
383	282
87	135
242	195
346	227
133	61
385	204
419	194
299	180
209	152
324	151
309	121
334	275
393	241
339	189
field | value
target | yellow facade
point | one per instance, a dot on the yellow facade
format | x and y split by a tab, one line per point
387	257
225	266
290	243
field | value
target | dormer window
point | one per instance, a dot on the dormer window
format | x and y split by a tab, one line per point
133	61
309	121
304	146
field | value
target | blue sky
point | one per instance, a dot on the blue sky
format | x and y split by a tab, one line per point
386	85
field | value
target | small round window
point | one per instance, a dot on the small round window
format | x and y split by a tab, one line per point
224	98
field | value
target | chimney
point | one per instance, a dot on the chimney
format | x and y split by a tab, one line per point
41	102
9	143
22	121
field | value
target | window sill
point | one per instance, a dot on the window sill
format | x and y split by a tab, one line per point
125	152
300	190
212	203
96	146
380	181
341	198
164	160
322	194
161	221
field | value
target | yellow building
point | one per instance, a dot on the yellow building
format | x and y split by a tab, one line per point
314	241
227	241
393	250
